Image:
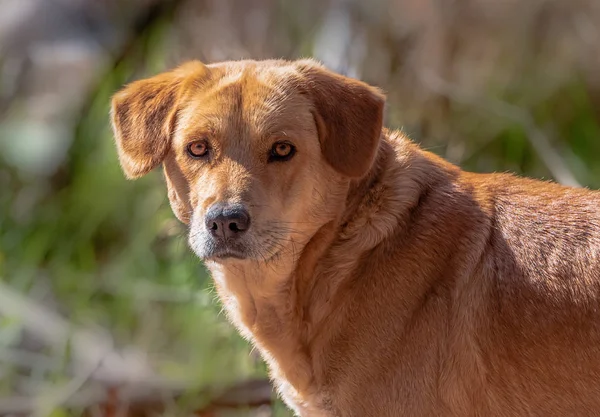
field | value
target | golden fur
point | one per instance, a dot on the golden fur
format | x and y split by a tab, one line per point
380	279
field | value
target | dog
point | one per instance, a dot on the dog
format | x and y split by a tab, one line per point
375	278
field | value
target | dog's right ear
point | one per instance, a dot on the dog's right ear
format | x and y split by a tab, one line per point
348	115
143	116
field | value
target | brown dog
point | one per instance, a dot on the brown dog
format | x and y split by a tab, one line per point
375	278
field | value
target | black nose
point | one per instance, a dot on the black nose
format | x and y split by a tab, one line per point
227	221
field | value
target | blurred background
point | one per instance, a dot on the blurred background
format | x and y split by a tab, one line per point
103	309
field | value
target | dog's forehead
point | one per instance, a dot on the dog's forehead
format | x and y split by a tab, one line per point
267	71
253	85
255	95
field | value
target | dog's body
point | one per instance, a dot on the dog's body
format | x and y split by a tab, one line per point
400	287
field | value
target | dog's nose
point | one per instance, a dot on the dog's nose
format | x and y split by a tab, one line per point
227	221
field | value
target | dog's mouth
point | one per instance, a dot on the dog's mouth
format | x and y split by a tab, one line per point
222	250
225	254
222	253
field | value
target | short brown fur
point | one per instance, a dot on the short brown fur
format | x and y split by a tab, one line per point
384	281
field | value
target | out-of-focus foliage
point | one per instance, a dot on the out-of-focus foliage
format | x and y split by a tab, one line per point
492	86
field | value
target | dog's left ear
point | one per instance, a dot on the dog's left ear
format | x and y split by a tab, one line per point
349	117
143	116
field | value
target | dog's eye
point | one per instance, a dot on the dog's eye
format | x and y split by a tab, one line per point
282	151
197	149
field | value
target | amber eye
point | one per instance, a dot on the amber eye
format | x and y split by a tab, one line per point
282	151
197	149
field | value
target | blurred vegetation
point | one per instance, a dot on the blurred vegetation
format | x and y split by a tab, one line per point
107	253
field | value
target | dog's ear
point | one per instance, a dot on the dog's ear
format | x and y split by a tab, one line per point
349	116
143	116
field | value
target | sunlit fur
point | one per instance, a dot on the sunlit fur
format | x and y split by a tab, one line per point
379	280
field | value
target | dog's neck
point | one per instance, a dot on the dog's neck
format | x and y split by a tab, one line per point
279	305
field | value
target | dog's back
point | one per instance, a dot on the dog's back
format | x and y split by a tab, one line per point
486	301
542	333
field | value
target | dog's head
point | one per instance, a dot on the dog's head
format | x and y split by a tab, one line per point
257	154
